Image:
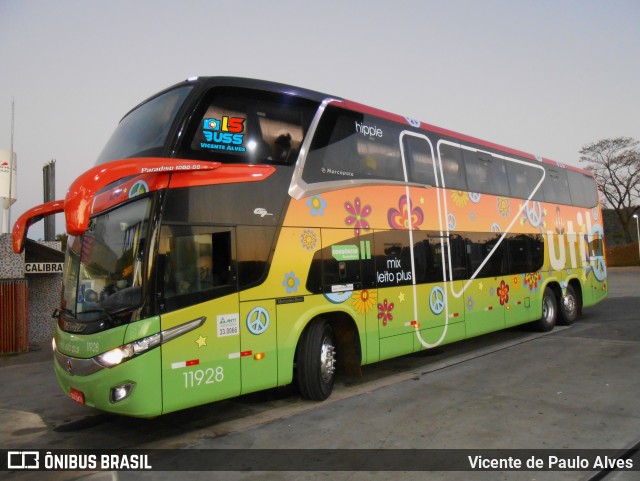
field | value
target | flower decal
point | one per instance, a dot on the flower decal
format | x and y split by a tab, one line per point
401	218
384	312
470	303
317	205
515	283
364	301
356	216
291	282
503	293
532	280
309	239
460	197
503	206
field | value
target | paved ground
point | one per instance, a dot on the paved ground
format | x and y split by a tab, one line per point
574	388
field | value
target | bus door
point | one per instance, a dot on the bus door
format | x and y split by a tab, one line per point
434	306
197	290
258	347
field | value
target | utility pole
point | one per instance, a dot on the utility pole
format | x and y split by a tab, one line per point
49	186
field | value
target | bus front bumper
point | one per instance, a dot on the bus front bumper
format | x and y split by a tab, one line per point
132	388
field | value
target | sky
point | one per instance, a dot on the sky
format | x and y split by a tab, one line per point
546	77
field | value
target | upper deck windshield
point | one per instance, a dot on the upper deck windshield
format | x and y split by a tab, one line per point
143	132
103	272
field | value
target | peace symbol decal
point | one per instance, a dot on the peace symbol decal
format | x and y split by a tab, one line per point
257	320
534	213
474	197
139	188
436	300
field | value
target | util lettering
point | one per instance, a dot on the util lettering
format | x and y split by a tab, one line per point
557	250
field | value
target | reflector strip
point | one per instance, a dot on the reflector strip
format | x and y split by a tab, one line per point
236	355
490	308
181	364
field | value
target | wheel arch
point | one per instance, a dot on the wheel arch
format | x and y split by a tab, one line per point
554	285
348	340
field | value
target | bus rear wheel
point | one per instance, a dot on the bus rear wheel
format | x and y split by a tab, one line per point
316	361
549	311
569	307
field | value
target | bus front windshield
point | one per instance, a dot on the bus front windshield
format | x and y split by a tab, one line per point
103	272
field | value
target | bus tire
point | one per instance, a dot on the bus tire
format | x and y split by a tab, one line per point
569	307
316	361
549	311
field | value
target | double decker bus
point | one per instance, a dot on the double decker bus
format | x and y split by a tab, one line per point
237	235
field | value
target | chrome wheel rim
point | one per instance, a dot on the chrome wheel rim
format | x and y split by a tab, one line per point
548	310
569	305
327	359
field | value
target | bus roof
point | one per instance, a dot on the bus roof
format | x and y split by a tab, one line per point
265	85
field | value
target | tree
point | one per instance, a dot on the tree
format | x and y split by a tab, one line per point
615	163
62	238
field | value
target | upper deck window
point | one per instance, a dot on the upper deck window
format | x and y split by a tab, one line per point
248	126
556	187
485	173
353	146
583	189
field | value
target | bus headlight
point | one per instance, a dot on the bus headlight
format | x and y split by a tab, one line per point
128	351
115	356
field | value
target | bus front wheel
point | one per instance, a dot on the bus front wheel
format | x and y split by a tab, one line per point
316	361
549	311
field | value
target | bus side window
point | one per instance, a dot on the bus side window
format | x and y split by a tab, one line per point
457	247
193	267
523	178
452	167
350	145
485	173
480	248
583	189
428	257
556	187
419	157
520	255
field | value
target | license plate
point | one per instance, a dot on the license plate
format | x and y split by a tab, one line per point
77	396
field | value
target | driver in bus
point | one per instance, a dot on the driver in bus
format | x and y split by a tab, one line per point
113	287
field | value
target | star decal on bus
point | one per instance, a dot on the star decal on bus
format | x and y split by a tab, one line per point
201	341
